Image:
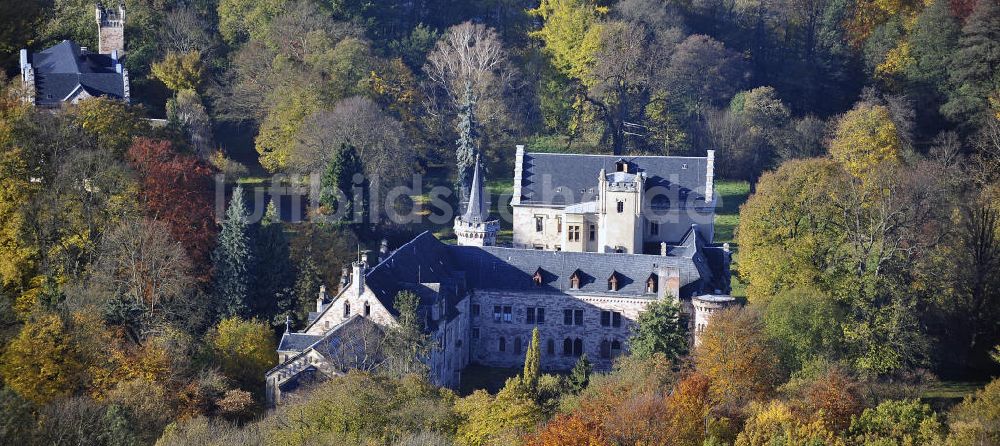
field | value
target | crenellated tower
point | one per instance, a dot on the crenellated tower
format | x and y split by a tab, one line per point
111	29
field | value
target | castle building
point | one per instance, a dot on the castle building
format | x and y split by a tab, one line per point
480	302
69	73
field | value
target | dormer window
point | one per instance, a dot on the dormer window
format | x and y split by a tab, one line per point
574	281
368	309
537	278
613	282
621	165
651	283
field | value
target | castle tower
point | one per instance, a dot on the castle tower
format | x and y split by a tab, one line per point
620	209
474	227
111	29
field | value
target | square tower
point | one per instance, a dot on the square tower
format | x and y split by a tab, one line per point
110	29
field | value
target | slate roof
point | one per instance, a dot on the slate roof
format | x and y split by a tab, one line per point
477	210
296	342
62	69
512	269
556	179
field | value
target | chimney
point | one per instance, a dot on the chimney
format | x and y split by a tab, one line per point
24	59
114	57
663	248
321	298
518	173
710	177
670	283
358	278
345	278
383	250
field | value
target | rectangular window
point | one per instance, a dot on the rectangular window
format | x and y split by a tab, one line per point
578	317
496	313
593	232
508	314
559	225
534	316
567	317
616	319
621	207
654	228
474	309
605	318
574	233
475	333
539	223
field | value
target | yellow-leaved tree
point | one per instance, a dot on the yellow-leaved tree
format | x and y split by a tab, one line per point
865	139
571	31
244	350
180	71
44	361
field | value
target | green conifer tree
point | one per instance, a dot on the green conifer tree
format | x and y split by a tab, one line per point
974	69
532	364
339	176
468	133
232	260
273	297
579	377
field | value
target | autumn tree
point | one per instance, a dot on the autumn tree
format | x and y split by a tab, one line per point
866	138
805	325
970	422
244	350
898	422
176	189
139	270
735	354
44	361
180	71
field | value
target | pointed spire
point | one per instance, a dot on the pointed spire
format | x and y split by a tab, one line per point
288	323
477	210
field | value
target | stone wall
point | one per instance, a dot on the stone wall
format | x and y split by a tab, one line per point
525	234
485	348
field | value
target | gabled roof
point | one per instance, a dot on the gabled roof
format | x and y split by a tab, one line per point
556	179
296	342
62	69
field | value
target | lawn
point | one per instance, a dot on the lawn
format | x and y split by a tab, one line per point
731	195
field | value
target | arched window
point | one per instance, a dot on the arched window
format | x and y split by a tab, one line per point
551	347
616	348
517	345
368	309
503	344
567	347
578	347
605	349
613	282
574	280
651	283
347	309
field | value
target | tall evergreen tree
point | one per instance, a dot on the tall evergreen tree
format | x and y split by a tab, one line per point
233	259
975	67
532	364
659	329
407	345
339	176
307	283
468	133
273	297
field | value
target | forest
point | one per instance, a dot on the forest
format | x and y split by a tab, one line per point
139	308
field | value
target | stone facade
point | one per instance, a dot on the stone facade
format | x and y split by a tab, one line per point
111	30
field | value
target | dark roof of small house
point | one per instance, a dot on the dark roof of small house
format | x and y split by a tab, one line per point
296	342
559	179
62	69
